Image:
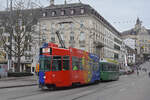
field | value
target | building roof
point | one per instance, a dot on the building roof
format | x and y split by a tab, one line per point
67	8
133	32
77	7
136	29
129	32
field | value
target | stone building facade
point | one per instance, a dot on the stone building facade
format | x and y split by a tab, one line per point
141	35
82	27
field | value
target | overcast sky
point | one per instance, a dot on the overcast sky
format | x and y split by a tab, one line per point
122	14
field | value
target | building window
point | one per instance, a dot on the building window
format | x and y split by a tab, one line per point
116	47
63	12
53	39
81	24
53	13
44	14
82	36
30	47
71	25
116	56
72	11
82	10
72	33
71	38
61	26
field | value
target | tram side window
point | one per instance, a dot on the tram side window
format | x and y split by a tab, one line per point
114	68
75	64
56	63
105	67
102	67
117	67
110	67
66	63
80	64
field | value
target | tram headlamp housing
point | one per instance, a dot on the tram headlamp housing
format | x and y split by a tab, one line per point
44	77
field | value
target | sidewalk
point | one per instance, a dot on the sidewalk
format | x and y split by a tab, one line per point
11	82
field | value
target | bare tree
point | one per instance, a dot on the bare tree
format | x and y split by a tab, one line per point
18	24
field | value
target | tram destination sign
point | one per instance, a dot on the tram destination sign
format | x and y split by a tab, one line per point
47	50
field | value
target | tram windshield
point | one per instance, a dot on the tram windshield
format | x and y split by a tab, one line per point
45	63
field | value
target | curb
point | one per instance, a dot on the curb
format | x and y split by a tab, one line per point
18	86
15	78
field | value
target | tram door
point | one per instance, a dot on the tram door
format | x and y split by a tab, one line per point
60	70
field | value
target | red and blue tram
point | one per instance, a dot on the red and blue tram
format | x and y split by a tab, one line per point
60	67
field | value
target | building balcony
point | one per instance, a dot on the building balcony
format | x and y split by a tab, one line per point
99	44
82	42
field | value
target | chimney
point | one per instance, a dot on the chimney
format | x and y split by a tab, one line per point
51	2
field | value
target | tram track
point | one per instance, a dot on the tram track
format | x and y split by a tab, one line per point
34	93
95	91
102	89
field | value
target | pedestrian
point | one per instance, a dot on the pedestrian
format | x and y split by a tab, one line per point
145	70
137	73
149	74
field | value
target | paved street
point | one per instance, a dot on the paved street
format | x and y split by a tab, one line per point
11	82
131	87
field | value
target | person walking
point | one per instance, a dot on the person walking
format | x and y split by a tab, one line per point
137	71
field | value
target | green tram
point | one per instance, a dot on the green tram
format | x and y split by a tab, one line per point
109	71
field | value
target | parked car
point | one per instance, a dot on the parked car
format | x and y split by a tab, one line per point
128	70
122	72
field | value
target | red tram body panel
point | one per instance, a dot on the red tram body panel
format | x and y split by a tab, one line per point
63	67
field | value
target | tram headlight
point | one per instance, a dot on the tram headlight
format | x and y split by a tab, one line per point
44	77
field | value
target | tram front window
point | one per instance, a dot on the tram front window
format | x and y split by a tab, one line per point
45	63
